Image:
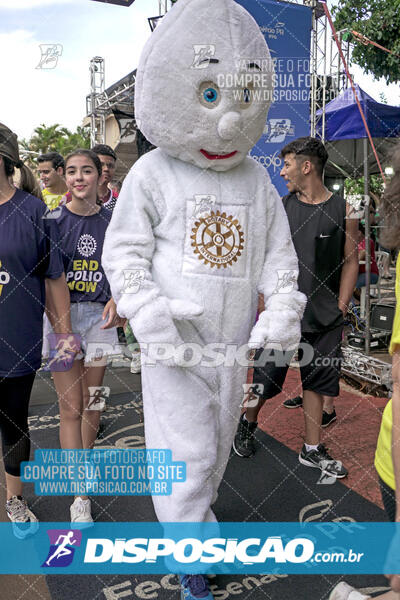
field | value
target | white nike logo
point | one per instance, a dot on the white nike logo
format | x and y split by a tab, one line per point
321	235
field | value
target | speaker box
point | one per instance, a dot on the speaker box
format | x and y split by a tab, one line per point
379	340
382	317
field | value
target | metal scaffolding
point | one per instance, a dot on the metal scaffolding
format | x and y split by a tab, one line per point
161	10
365	368
328	78
93	101
101	101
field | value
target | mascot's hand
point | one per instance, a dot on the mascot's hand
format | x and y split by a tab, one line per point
184	309
259	334
156	331
282	328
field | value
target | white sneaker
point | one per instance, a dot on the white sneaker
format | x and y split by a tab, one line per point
80	512
136	363
344	591
24	522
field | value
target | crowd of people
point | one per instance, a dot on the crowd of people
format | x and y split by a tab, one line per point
53	288
51	246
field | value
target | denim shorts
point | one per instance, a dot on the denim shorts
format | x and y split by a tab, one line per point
86	321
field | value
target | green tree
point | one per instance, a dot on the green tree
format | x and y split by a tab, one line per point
356	186
378	20
54	138
73	140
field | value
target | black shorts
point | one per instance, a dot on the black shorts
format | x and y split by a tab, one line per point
320	358
389	500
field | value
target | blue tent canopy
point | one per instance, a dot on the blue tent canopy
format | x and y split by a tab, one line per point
343	120
344	132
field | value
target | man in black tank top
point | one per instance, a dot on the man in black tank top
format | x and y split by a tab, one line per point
326	245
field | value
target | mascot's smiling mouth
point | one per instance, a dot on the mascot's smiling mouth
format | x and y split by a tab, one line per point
217	156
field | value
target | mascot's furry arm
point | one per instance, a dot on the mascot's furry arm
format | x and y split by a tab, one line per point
279	323
127	256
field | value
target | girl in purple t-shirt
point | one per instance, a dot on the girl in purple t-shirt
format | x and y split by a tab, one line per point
82	224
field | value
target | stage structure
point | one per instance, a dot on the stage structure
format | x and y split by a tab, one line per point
328	78
367	369
102	102
94	100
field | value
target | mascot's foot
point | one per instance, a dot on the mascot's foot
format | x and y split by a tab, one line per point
195	587
243	444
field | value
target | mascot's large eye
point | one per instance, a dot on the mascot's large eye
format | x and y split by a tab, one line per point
209	94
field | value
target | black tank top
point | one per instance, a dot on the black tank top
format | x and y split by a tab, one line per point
318	233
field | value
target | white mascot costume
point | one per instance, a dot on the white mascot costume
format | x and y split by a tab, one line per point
202	226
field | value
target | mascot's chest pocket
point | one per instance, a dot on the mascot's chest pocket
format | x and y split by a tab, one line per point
216	240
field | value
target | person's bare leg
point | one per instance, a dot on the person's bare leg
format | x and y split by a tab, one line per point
14	486
92	377
328	404
252	412
386	265
312	409
69	390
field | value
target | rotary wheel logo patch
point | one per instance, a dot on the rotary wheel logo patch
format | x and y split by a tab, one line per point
87	245
217	239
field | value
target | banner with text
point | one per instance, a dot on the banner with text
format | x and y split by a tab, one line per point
127	548
287	31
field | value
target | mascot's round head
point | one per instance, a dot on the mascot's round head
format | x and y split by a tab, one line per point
204	84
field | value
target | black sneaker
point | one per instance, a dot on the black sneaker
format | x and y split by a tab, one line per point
328	418
293	402
320	459
243	444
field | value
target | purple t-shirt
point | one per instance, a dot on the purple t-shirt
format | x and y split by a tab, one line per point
28	254
81	243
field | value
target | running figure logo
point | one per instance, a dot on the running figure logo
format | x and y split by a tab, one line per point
356	204
133	279
251	394
62	547
204	203
98	396
203	54
279	129
50	54
63	349
286	281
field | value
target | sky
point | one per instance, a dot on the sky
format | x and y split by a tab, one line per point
84	28
81	29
